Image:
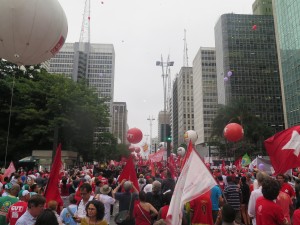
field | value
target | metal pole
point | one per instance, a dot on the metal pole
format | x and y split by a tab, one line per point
150	120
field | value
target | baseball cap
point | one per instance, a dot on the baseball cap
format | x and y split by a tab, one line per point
8	186
23	193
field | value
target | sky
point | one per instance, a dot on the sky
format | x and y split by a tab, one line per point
142	31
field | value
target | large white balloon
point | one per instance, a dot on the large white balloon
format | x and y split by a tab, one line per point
31	31
190	135
181	151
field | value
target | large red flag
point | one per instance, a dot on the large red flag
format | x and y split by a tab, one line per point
283	149
194	180
52	189
129	173
11	169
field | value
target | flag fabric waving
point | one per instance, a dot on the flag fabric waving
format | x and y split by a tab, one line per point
194	180
52	189
129	173
187	154
11	169
246	160
283	149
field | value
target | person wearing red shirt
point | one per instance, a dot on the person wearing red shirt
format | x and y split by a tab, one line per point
162	213
285	202
201	210
266	210
285	186
16	210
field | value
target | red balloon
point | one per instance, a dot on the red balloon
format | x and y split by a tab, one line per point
134	135
137	149
233	132
131	148
254	27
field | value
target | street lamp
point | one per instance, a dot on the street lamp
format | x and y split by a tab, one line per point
150	120
165	66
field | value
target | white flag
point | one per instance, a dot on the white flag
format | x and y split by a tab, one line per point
194	180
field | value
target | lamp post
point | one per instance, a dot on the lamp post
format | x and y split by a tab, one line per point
150	120
165	66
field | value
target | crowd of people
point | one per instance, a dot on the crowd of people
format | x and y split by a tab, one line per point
89	196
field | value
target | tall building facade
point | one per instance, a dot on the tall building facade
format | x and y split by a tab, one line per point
262	7
287	27
93	62
205	93
119	121
185	102
174	121
247	65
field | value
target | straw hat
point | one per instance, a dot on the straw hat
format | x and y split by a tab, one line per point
105	189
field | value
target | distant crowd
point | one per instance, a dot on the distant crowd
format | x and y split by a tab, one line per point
96	196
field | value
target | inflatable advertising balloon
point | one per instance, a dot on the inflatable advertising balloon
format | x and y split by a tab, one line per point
190	135
134	135
31	31
181	151
233	132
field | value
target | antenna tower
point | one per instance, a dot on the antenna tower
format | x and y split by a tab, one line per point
84	40
85	27
185	51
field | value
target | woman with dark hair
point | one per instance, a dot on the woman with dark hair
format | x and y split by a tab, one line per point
144	211
94	214
47	217
245	200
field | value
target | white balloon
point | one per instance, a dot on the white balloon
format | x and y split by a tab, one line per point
190	135
181	151
31	31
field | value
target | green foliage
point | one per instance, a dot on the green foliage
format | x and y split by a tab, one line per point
255	131
42	102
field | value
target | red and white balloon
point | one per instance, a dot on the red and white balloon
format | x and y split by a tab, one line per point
31	31
134	135
137	149
233	132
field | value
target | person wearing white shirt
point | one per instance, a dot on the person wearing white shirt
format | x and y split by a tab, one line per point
255	194
106	200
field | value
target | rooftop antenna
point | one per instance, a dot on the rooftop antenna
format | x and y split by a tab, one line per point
185	52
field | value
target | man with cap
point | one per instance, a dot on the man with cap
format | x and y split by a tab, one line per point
106	200
17	209
7	201
7	188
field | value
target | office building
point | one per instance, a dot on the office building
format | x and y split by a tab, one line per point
287	27
247	65
119	122
93	62
262	7
205	93
185	102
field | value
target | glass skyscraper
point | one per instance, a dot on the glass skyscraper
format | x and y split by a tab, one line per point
287	27
247	65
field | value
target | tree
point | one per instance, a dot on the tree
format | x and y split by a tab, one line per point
255	131
43	102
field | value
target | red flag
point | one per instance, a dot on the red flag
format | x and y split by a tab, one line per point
283	149
172	166
77	194
187	154
223	168
11	169
52	189
152	169
238	163
194	180
129	173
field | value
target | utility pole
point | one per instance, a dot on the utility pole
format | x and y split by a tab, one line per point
150	120
165	66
